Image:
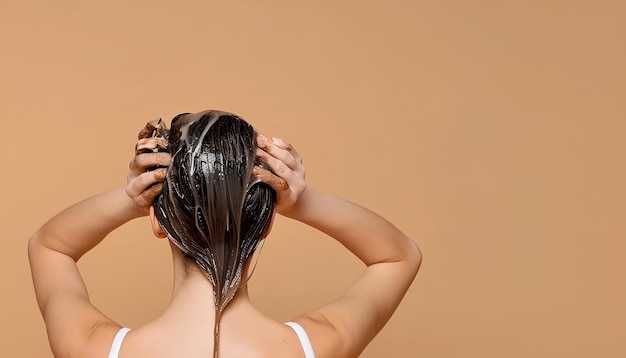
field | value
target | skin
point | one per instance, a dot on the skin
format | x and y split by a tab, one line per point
341	328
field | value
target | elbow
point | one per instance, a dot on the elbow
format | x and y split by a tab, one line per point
414	256
41	242
34	245
33	248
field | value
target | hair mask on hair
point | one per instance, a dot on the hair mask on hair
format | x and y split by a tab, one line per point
212	206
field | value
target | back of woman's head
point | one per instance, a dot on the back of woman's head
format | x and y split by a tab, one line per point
212	206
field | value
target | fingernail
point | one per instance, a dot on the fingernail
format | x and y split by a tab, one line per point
261	141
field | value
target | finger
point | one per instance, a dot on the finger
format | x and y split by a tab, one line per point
277	166
283	144
288	156
154	128
146	198
143	162
293	176
263	140
147	160
150	145
144	181
275	182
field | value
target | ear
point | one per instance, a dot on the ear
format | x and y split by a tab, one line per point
156	228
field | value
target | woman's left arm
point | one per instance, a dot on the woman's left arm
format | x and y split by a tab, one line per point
71	320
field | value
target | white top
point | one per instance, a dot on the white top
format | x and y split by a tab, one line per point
117	342
302	336
304	339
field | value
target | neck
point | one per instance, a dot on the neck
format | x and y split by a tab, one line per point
192	288
192	307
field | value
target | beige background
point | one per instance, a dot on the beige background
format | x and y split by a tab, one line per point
491	132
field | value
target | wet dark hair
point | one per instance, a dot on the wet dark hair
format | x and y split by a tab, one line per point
212	207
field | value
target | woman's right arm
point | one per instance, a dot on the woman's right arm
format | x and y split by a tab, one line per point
391	258
392	261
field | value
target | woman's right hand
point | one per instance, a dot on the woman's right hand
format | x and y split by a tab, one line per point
287	175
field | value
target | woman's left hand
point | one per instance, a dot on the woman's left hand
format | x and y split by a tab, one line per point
144	184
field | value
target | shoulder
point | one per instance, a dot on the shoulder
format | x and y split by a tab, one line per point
86	342
327	338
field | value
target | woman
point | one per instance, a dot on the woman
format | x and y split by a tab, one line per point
213	195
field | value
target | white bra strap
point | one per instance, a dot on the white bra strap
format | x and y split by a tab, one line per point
117	342
304	339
